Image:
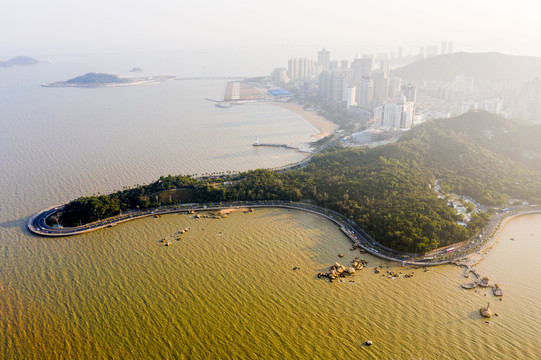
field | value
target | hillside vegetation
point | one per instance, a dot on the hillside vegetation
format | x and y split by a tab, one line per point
97	78
389	191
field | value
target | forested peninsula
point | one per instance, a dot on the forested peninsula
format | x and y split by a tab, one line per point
389	191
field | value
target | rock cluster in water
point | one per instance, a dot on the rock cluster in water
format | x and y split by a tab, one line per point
393	275
339	270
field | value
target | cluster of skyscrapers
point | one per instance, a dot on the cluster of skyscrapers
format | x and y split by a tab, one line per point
364	85
368	89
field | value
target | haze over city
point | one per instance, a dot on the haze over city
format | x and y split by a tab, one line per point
60	27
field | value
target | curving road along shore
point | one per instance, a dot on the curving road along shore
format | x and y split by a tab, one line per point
460	251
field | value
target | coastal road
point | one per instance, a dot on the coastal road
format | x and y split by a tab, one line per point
37	224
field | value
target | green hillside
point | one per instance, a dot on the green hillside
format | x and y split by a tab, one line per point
97	78
389	191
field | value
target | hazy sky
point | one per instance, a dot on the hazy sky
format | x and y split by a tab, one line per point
37	27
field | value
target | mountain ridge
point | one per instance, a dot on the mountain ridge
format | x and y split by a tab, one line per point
490	66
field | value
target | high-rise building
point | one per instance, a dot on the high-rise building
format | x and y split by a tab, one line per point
332	86
344	65
291	68
300	69
324	89
384	67
280	75
410	92
381	85
397	115
365	93
323	59
333	65
338	87
394	87
350	98
361	67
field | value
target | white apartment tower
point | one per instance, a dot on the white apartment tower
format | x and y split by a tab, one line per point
398	115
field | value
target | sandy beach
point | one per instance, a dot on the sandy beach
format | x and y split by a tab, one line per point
238	91
325	127
230	210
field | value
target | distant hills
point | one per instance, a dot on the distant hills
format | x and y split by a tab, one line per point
481	66
18	61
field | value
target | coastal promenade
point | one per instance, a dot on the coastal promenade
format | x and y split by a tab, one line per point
459	251
37	223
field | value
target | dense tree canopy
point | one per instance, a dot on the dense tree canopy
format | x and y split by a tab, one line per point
389	191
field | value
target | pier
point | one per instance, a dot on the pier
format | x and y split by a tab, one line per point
275	145
285	146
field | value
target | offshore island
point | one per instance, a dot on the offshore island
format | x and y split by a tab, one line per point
107	80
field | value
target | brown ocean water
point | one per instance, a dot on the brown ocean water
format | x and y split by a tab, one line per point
226	290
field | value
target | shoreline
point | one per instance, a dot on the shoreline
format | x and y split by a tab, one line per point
324	126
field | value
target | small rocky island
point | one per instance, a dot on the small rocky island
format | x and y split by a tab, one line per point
18	61
107	80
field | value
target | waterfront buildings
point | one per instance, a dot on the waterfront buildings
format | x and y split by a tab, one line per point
370	91
332	86
280	75
300	69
